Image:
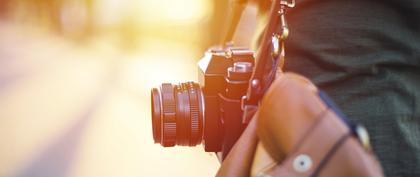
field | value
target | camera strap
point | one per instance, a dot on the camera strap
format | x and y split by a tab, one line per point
270	55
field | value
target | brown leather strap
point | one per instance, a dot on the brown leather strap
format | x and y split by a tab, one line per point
310	154
239	160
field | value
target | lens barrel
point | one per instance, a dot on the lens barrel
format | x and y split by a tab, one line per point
177	114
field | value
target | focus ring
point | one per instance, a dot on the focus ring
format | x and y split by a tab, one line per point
194	113
182	115
169	116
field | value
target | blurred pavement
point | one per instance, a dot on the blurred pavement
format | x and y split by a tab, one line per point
84	110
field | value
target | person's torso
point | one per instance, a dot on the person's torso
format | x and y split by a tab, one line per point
366	55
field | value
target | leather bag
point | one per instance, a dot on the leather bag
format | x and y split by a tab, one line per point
296	133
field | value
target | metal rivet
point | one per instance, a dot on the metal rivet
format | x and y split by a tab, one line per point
255	83
302	163
363	136
275	44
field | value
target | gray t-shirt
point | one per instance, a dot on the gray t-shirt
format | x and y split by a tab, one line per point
366	55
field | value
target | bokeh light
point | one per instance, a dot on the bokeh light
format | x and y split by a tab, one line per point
75	77
180	11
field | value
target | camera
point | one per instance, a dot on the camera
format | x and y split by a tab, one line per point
208	112
232	81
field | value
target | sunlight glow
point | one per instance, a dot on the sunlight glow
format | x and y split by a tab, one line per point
185	11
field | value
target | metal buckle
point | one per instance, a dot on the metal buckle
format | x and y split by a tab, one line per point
289	4
278	38
275	44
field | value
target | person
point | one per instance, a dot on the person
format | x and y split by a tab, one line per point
366	55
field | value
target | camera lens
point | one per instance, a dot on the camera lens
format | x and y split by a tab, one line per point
177	114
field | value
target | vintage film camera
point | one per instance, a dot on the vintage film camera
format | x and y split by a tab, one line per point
207	112
216	110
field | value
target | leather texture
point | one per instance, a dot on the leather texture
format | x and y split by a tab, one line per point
293	122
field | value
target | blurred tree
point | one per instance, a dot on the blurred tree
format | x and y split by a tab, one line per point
66	17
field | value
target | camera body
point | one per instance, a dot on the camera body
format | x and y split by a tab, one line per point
208	112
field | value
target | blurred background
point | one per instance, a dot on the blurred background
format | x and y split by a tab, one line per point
75	79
